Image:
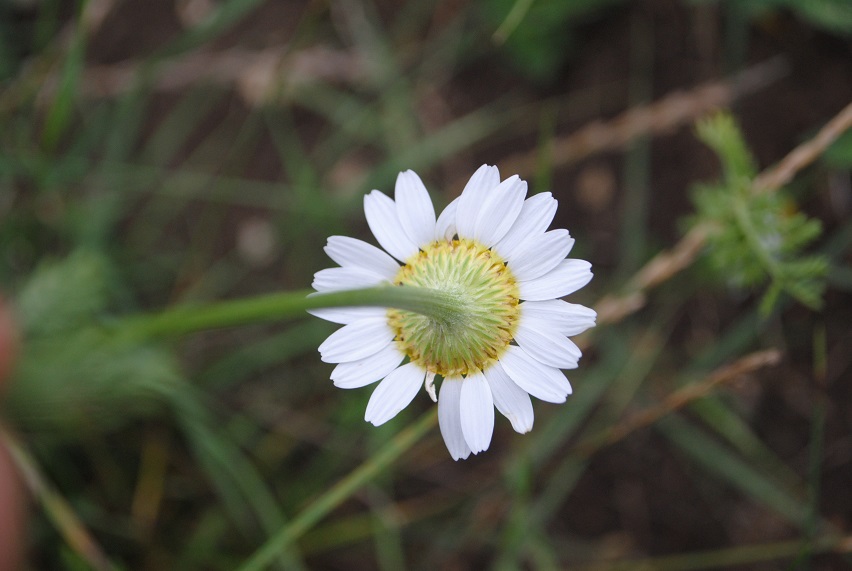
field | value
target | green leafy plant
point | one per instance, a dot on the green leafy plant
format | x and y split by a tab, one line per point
755	237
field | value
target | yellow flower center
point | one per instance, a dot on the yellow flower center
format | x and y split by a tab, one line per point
488	298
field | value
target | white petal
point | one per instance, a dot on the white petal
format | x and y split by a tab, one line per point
536	215
473	197
449	418
510	399
446	226
541	381
384	223
363	372
339	279
394	393
567	318
357	340
546	344
414	208
540	254
569	276
351	252
347	315
477	412
500	210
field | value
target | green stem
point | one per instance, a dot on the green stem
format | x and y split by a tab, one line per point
324	504
744	221
187	319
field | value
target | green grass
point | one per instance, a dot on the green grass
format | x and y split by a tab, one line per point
213	410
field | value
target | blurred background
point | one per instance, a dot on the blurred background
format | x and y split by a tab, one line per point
155	153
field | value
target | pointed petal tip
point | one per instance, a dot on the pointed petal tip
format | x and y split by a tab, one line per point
394	393
449	418
371	417
372	195
414	208
477	412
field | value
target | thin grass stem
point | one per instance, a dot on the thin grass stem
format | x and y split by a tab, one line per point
341	491
56	507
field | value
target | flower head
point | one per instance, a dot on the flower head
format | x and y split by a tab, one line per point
507	337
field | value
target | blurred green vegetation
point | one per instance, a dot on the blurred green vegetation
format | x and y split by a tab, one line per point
539	37
756	236
130	184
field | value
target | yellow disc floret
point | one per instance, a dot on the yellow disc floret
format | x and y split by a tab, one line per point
476	335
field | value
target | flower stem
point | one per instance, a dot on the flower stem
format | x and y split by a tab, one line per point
187	319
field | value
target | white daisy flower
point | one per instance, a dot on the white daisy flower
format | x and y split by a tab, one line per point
489	250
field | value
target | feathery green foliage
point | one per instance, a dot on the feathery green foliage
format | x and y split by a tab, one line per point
77	377
756	237
74	375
